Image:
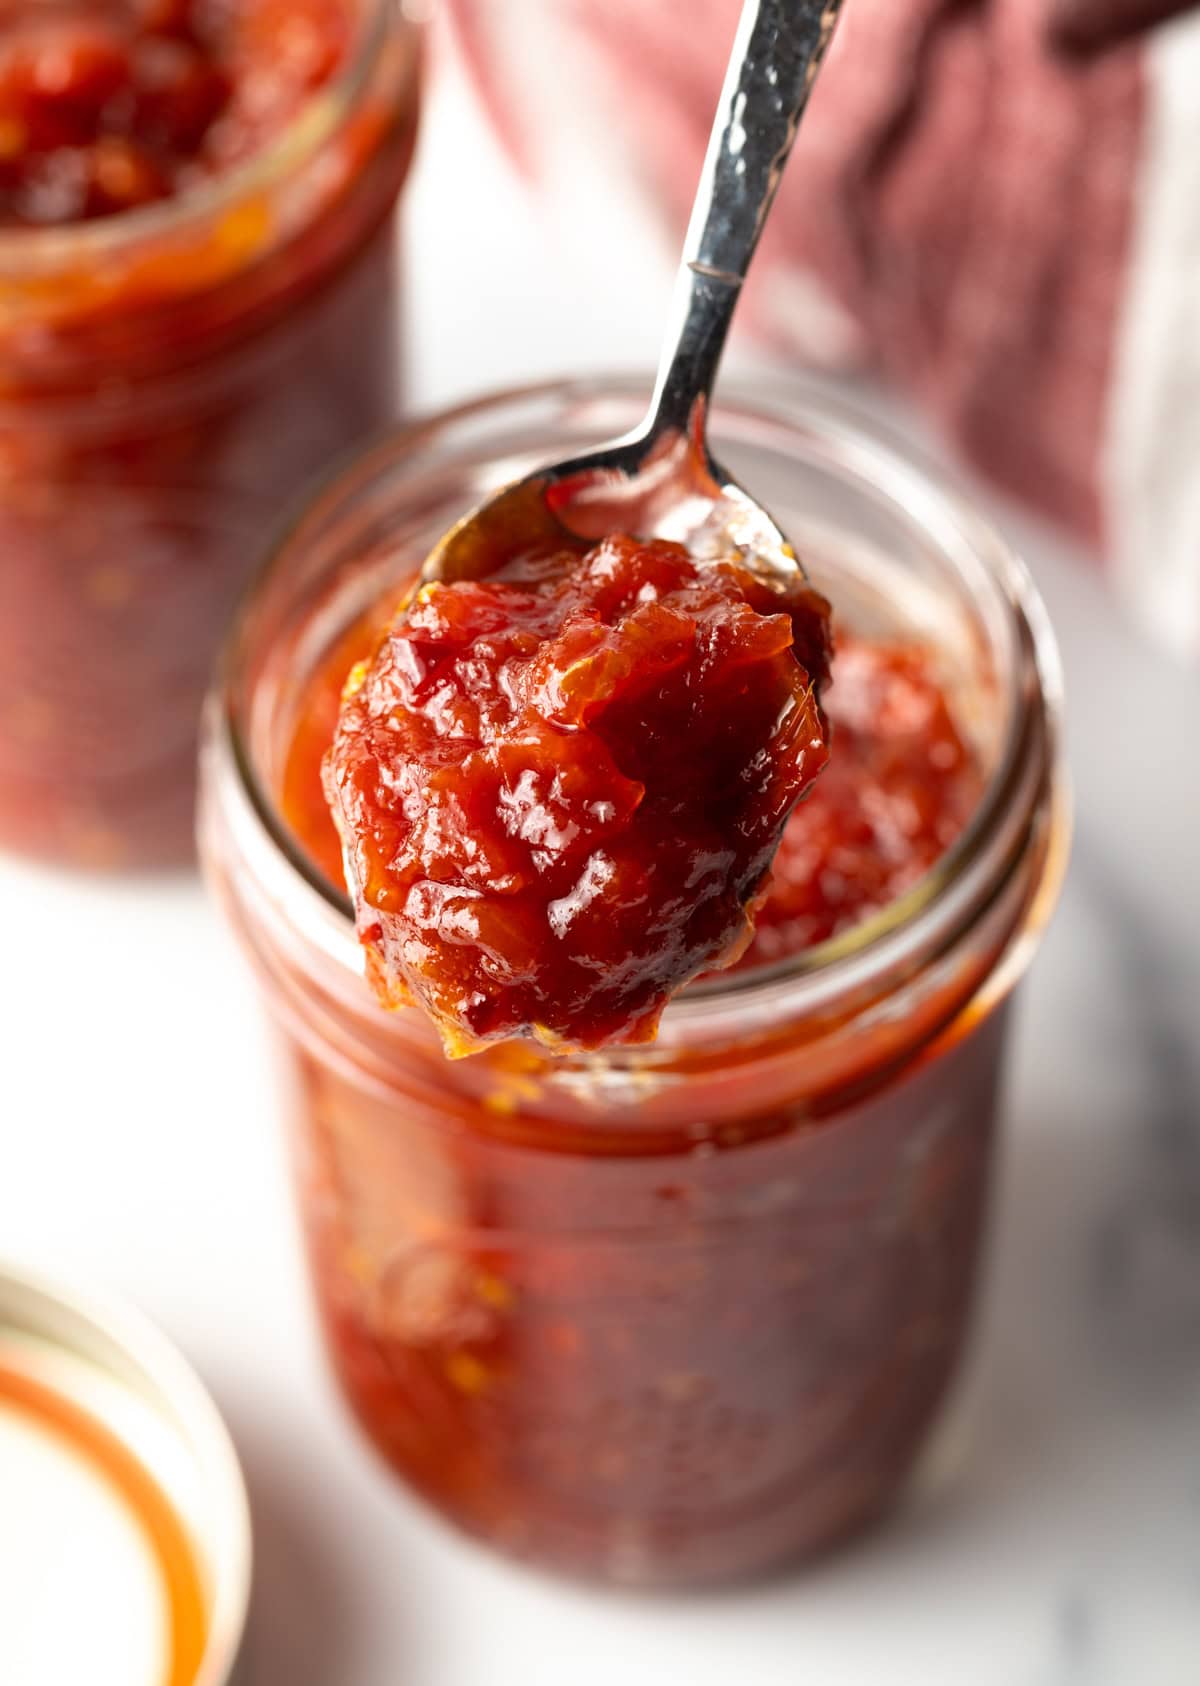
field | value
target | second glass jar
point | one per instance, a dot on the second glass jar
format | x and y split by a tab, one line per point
169	379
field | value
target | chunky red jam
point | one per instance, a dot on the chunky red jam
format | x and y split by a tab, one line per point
107	107
560	788
899	788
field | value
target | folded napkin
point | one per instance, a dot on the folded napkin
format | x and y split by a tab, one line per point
996	203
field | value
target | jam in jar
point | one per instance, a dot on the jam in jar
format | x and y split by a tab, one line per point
197	313
676	1312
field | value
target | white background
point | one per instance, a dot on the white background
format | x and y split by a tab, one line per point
139	1150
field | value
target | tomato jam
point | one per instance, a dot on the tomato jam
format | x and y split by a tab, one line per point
197	312
898	790
666	1313
560	787
556	1329
104	108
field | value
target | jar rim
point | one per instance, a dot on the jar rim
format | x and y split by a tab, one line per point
943	895
27	253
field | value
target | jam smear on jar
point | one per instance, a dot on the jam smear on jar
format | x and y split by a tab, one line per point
106	108
560	788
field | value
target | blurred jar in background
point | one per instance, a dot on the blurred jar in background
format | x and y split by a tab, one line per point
669	1314
176	359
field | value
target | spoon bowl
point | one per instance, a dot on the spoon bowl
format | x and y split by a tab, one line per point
673	489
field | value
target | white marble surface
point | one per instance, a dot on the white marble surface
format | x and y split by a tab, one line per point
138	1149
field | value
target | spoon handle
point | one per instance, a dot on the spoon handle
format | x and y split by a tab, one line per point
778	51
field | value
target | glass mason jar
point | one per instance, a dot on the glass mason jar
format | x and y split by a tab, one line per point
168	376
665	1314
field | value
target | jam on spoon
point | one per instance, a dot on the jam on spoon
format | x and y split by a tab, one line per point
560	790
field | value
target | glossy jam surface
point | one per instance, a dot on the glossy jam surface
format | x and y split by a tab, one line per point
560	788
900	785
106	107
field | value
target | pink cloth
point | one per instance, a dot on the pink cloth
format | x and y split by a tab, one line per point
981	215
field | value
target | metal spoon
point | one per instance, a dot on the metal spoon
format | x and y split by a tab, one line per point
661	480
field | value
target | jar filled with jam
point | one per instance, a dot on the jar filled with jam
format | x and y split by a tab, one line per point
676	1312
197	313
